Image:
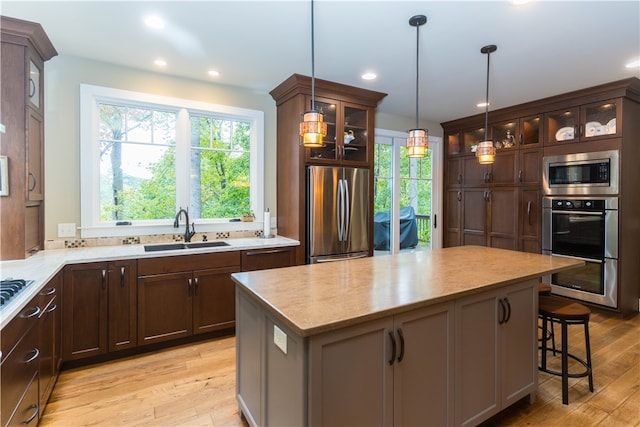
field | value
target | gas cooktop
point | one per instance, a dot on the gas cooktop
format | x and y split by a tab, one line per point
9	288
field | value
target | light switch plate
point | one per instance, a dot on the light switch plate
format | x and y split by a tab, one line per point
280	339
67	230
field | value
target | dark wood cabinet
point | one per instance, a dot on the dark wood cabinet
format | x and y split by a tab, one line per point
91	325
25	48
262	259
350	116
530	212
50	329
185	295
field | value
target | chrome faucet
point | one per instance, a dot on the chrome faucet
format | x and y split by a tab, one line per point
187	234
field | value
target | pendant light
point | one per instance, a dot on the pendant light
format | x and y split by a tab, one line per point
312	127
486	152
418	140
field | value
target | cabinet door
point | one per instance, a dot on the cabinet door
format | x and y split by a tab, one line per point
474	174
530	220
519	343
505	135
329	152
503	170
503	218
453	218
601	120
35	169
476	358
355	140
351	379
84	316
531	131
122	305
214	300
562	125
530	167
474	217
423	372
454	172
49	339
164	307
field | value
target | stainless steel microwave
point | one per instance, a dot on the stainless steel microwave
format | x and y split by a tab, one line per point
581	174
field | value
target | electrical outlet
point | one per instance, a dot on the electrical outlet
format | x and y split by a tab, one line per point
67	230
280	339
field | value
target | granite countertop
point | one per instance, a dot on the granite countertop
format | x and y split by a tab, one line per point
42	266
312	299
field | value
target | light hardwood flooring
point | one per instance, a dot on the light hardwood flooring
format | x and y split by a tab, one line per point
195	385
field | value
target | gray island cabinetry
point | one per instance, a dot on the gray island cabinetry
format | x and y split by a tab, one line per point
376	341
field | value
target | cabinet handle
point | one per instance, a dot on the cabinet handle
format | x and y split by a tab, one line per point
503	311
577	130
520	175
50	291
36	311
401	356
273	251
104	279
459	196
529	212
34	181
36	353
122	270
521	139
459	178
52	308
393	348
36	409
485	177
195	286
508	304
189	283
32	87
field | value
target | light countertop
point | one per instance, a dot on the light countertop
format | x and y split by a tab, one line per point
312	299
42	266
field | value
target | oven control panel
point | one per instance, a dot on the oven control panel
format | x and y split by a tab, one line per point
578	204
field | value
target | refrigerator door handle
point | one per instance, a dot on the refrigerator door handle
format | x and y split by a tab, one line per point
340	210
347	216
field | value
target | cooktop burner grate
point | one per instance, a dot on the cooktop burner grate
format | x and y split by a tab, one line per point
9	288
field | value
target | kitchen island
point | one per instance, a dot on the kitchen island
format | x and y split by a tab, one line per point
443	337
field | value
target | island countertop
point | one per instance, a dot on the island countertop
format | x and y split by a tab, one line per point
312	299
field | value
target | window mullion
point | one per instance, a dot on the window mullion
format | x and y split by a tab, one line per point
183	147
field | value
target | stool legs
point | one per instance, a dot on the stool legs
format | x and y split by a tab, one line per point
588	349
565	364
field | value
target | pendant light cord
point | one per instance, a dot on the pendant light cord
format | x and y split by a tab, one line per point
313	65
486	106
417	66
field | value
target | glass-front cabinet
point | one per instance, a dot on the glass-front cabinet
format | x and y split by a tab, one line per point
34	83
505	135
347	138
590	121
531	131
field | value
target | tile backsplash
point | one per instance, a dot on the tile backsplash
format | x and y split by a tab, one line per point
70	243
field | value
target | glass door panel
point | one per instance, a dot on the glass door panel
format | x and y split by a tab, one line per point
562	125
328	150
600	119
355	134
472	138
504	135
531	130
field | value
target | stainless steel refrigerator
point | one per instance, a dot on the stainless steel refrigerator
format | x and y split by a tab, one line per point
337	213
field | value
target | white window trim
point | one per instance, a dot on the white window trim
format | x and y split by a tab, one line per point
91	226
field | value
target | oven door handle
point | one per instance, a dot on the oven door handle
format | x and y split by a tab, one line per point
577	213
597	261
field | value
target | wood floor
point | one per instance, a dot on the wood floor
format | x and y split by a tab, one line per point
195	385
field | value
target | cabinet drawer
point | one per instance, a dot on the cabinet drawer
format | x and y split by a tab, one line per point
20	324
26	413
18	370
176	264
262	259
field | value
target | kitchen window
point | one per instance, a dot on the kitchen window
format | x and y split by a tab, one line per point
146	156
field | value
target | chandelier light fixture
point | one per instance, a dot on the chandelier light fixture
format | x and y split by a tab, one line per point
418	140
485	151
312	127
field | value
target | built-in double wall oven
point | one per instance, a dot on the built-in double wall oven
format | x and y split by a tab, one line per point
580	220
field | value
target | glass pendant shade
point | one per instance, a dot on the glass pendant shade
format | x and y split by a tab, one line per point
486	152
313	129
417	143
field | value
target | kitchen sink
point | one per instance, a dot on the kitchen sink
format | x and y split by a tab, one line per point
191	245
213	244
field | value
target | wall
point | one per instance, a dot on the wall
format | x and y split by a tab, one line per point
63	76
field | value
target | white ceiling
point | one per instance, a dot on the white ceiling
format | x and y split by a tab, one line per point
544	47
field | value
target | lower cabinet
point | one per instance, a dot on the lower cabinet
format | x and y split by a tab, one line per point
396	370
185	295
496	351
50	329
99	311
262	259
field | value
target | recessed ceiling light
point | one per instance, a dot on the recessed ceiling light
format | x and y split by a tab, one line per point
482	104
213	73
519	2
633	64
160	62
154	21
368	76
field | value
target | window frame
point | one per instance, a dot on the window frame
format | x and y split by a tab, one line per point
92	226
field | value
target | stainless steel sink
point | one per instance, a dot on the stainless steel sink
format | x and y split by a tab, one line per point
191	245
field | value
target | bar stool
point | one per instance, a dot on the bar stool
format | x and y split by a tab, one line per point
555	309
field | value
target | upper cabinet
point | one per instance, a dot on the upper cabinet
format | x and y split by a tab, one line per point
593	121
25	48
